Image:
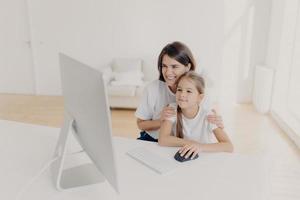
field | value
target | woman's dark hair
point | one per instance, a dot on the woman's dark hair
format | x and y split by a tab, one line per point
178	51
199	83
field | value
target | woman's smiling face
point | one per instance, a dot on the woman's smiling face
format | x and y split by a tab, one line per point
172	70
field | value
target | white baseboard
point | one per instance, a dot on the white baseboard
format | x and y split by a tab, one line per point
288	124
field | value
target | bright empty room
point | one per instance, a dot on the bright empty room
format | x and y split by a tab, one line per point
248	52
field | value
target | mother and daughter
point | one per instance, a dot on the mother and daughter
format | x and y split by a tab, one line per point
174	110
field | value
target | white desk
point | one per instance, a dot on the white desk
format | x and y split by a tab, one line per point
26	148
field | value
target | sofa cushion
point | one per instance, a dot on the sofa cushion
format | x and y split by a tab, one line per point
127	72
126	64
129	82
125	76
121	90
140	89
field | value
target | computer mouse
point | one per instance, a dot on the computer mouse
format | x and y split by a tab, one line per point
180	158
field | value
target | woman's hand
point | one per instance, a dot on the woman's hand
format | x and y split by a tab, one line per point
167	112
215	119
192	148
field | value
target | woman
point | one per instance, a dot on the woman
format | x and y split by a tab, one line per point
174	60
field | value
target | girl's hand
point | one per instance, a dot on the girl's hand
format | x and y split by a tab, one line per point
192	148
167	112
215	119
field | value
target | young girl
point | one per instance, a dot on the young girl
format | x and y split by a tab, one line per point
174	60
190	130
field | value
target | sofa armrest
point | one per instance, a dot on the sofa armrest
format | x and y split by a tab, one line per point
107	74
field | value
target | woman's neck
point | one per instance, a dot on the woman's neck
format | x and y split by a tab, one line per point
190	112
172	88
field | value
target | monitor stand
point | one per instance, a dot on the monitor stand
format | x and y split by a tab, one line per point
81	175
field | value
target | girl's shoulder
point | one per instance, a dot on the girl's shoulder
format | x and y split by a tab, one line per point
204	111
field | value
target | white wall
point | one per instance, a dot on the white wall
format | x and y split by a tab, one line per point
283	56
96	31
245	45
16	67
283	52
82	29
258	47
275	32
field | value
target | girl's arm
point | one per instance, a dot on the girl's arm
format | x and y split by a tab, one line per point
167	139
224	144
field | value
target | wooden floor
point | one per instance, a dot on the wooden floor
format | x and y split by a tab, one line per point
251	133
49	111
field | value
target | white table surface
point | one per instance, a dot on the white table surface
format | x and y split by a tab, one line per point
213	176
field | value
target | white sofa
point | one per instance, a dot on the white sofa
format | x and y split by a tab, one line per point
125	79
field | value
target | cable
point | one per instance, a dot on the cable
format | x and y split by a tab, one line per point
40	172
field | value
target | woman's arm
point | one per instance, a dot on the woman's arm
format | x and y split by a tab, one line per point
150	125
216	119
167	139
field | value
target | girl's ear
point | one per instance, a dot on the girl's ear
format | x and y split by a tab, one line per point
188	67
200	97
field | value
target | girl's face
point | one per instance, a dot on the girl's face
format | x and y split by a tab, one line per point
172	70
187	94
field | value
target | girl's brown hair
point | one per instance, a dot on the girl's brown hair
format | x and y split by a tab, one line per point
200	86
178	51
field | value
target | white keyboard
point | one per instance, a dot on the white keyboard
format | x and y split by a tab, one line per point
152	160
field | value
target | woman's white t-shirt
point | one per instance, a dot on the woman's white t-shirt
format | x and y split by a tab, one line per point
155	97
197	128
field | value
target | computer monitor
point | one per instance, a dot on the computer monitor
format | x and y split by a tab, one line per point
87	115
